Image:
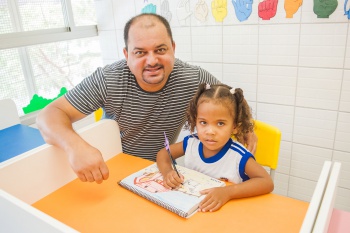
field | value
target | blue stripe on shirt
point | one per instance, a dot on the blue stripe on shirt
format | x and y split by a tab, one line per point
245	156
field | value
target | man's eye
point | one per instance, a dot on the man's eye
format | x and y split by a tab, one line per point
138	53
161	50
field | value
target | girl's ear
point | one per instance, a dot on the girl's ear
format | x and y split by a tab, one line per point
234	130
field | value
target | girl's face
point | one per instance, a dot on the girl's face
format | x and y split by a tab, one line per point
214	126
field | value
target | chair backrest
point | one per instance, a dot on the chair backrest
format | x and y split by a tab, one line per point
316	199
9	115
17	216
326	209
269	140
98	114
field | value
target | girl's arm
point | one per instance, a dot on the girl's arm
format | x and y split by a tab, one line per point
260	182
170	177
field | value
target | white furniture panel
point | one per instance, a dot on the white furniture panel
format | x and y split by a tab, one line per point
33	170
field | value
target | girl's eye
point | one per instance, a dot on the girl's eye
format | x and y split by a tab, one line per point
221	124
202	122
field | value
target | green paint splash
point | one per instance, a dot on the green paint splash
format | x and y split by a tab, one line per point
38	102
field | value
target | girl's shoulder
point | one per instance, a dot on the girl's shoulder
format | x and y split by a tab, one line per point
240	148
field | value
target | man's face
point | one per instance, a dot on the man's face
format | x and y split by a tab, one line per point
150	54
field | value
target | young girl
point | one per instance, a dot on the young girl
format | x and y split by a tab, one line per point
218	112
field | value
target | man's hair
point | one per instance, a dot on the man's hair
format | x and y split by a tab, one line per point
133	19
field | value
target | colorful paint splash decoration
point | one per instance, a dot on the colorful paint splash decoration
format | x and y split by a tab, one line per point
324	8
291	7
164	10
201	11
150	8
267	9
243	9
346	12
219	9
38	102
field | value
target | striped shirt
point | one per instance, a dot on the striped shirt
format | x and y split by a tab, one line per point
142	116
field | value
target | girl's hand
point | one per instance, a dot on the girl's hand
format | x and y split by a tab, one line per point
215	199
172	180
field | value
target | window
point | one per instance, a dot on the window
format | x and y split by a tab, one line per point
45	45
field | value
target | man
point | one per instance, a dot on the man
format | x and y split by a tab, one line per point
146	93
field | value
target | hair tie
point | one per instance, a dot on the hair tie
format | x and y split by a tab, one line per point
207	87
233	90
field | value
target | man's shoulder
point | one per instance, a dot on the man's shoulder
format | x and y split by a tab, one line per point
185	70
116	66
179	64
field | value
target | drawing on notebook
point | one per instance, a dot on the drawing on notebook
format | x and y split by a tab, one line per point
152	181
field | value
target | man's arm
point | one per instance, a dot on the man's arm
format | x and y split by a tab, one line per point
55	124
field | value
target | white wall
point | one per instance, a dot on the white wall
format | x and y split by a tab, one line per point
295	74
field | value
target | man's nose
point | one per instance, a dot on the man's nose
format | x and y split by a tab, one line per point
152	59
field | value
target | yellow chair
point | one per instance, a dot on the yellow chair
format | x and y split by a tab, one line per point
98	114
269	140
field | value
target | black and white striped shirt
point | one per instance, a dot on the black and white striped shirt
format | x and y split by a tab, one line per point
142	116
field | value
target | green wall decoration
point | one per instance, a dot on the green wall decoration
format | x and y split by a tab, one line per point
38	102
324	8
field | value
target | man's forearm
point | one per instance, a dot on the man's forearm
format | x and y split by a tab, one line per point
56	128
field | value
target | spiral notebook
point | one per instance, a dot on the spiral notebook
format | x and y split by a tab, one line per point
184	201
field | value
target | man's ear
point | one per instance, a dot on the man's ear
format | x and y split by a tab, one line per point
125	53
174	45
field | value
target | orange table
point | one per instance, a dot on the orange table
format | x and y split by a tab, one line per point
107	207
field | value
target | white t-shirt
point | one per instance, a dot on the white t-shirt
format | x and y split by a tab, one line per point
228	164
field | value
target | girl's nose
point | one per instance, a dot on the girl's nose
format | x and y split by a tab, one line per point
210	130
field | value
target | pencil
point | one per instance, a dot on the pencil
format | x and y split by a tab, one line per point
167	147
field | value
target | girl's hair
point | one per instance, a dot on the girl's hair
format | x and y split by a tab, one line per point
221	94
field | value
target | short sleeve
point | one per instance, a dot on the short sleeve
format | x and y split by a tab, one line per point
90	94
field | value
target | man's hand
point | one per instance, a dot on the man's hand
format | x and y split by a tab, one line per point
251	141
87	162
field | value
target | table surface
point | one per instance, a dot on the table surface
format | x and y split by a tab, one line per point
18	139
107	207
